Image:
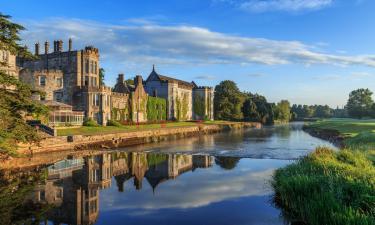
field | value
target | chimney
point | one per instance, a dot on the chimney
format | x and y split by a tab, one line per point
46	47
37	48
59	45
138	80
54	46
120	78
70	44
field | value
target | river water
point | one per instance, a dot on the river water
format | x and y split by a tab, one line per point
212	179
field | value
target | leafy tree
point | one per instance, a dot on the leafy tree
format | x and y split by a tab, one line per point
283	110
360	103
15	99
228	101
130	81
323	111
101	76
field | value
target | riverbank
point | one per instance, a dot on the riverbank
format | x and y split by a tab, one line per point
129	137
331	187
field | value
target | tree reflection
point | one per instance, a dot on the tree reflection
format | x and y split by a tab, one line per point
16	207
227	163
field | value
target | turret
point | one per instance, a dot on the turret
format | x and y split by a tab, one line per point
46	47
37	48
70	44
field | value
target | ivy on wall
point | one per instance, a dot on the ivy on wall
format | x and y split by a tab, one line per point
121	114
182	106
156	109
199	106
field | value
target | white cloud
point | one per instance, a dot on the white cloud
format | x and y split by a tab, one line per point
284	5
205	77
145	44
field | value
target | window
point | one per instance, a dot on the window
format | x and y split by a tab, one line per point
95	99
59	82
58	96
42	195
42	80
86	80
87	66
96	68
91	67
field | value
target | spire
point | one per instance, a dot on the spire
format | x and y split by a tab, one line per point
153	67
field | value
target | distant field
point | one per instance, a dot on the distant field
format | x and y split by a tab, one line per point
349	127
113	129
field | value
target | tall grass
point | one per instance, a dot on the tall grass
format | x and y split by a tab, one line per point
328	187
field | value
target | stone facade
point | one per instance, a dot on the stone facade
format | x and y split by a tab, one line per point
48	81
178	94
181	97
8	63
203	98
80	78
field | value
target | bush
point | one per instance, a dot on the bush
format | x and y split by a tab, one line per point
113	123
90	123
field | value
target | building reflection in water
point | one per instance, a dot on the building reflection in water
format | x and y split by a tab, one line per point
72	185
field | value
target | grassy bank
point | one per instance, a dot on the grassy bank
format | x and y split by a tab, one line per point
84	130
332	187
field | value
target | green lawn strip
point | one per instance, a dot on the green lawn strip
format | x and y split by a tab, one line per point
84	130
332	187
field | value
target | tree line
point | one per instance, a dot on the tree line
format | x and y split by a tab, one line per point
232	104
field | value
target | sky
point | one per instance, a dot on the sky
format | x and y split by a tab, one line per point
306	51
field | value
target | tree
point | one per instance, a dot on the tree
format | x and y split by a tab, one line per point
101	76
228	101
15	99
282	111
360	103
130	81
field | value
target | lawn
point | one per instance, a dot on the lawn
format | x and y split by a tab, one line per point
332	187
350	127
114	129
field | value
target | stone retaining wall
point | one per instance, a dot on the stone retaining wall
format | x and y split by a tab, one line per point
80	142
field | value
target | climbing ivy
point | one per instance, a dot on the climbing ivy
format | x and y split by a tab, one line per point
199	106
156	109
182	106
125	115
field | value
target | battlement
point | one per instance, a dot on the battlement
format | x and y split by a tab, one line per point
203	87
91	50
116	94
96	89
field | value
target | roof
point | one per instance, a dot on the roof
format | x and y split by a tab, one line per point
121	87
52	103
167	78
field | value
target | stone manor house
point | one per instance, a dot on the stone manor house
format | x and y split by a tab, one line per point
73	91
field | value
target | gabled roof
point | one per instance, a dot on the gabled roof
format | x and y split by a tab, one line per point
167	78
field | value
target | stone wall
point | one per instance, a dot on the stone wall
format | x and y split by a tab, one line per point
127	138
10	60
52	84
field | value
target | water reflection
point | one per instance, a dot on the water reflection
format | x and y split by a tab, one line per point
147	184
201	180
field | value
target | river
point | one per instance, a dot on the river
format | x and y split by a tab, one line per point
211	179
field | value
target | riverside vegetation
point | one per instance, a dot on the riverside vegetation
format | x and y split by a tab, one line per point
332	187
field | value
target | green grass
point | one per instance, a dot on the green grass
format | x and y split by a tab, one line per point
328	187
117	129
348	127
332	187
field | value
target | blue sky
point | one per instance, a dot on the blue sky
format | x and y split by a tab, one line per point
306	51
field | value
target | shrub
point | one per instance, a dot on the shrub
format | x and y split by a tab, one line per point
90	123
113	123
